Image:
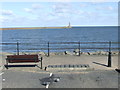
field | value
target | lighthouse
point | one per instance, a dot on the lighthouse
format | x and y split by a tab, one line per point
69	26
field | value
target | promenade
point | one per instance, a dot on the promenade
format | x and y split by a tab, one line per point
98	75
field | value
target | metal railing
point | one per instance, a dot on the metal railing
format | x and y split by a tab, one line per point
52	46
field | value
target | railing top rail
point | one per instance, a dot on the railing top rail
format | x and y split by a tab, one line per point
4	43
83	42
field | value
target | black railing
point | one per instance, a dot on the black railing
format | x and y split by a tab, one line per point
51	46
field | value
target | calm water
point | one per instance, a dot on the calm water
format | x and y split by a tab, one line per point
75	34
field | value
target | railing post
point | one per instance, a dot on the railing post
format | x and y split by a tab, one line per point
17	48
48	49
109	55
79	47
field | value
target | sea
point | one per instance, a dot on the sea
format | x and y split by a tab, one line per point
67	39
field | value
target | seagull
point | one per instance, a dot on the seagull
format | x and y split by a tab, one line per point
55	79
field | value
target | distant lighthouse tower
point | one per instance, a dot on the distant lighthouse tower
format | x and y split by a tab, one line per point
69	26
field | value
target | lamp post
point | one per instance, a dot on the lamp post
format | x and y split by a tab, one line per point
109	55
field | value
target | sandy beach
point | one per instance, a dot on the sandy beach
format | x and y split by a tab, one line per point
97	75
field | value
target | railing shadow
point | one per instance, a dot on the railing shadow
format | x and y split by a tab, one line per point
38	66
100	64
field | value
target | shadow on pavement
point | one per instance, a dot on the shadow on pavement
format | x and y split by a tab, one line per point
100	64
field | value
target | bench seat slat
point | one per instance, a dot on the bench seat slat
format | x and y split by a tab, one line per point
20	61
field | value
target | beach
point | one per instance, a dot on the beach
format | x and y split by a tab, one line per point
97	75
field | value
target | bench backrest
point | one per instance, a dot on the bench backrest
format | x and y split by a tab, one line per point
22	58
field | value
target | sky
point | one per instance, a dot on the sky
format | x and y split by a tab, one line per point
45	14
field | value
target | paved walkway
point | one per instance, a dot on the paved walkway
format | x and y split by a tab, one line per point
83	79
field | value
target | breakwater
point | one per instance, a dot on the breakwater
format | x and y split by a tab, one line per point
23	28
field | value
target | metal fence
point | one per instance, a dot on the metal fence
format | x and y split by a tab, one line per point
60	46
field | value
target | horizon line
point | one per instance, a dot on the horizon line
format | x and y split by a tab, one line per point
54	26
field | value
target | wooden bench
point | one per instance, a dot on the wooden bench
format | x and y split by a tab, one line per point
22	59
